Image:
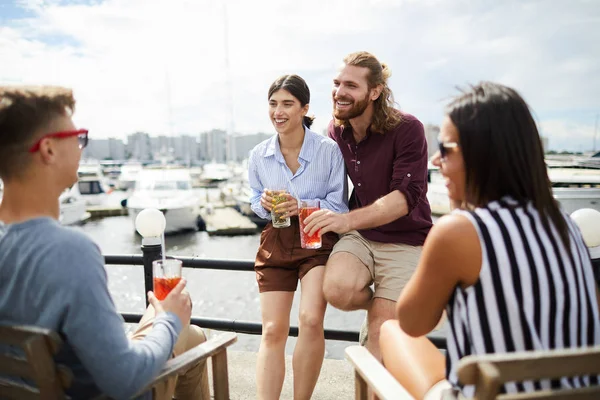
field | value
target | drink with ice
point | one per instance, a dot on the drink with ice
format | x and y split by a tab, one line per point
163	286
166	275
307	241
279	221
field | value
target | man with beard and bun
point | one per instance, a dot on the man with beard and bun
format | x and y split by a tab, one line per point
385	153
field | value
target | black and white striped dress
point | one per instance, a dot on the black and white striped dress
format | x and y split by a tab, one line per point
532	294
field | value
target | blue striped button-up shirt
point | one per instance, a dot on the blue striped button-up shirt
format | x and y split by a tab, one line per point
321	175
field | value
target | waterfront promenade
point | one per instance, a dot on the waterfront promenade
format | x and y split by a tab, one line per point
336	381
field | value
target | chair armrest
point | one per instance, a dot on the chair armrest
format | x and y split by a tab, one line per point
199	353
374	374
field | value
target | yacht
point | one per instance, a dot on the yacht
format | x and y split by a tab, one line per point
214	173
129	175
574	188
92	184
72	207
170	191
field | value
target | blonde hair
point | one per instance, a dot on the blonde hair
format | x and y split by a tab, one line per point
385	117
24	110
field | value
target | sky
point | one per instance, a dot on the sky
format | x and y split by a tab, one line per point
188	66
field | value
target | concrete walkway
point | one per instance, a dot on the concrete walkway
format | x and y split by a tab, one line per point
336	381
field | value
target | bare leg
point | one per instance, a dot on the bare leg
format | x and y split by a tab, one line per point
346	282
270	366
415	362
310	347
380	311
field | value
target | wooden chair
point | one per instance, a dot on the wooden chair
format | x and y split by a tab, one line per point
372	377
37	366
488	372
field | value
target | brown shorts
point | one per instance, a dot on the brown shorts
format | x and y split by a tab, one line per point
281	261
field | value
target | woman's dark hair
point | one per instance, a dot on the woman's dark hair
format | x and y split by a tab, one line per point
297	88
502	151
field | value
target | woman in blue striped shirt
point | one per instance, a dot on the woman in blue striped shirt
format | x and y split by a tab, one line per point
310	167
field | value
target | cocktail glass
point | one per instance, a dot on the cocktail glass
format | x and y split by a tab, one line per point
308	207
279	220
167	275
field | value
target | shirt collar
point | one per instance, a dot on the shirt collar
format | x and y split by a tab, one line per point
348	137
306	152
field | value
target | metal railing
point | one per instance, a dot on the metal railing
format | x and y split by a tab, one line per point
151	253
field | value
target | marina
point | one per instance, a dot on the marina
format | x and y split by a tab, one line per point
220	229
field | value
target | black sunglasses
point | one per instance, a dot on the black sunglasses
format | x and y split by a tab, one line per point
443	147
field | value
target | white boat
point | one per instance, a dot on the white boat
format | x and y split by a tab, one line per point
129	175
215	173
574	188
72	207
170	191
92	184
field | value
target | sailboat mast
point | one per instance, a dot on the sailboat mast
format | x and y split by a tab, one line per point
229	148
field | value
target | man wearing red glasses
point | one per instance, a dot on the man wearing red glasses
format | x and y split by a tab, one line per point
53	277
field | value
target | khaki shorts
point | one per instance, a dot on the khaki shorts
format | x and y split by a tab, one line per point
391	264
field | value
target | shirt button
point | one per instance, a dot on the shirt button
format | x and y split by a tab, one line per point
358	162
408	175
359	184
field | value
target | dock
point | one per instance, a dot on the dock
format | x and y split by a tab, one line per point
227	221
103	211
336	380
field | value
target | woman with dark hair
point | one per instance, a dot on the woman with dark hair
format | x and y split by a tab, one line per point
508	266
309	167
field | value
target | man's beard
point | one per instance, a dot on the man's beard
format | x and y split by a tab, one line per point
357	109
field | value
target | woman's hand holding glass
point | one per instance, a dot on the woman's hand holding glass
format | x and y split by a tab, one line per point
289	208
266	200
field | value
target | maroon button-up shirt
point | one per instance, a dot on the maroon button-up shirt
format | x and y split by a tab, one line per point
382	163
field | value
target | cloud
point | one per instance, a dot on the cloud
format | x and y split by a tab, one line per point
561	134
160	66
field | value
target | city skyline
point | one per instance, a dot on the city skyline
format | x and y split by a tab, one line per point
192	74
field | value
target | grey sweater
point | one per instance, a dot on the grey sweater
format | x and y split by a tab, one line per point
54	277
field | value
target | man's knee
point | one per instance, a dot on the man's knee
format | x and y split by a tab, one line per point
345	278
196	336
338	294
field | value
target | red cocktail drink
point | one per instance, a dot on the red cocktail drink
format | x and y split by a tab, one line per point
307	241
166	275
163	286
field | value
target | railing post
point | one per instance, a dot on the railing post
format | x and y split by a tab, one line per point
150	253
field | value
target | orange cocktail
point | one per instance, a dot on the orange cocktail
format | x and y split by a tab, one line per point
166	275
163	286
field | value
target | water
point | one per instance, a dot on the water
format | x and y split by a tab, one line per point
215	294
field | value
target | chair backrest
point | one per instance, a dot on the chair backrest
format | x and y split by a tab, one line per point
488	372
36	364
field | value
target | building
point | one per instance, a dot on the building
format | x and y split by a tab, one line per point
213	146
139	147
186	149
104	149
544	143
431	135
245	143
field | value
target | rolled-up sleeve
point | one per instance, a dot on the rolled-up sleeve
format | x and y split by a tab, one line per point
409	174
257	187
337	186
